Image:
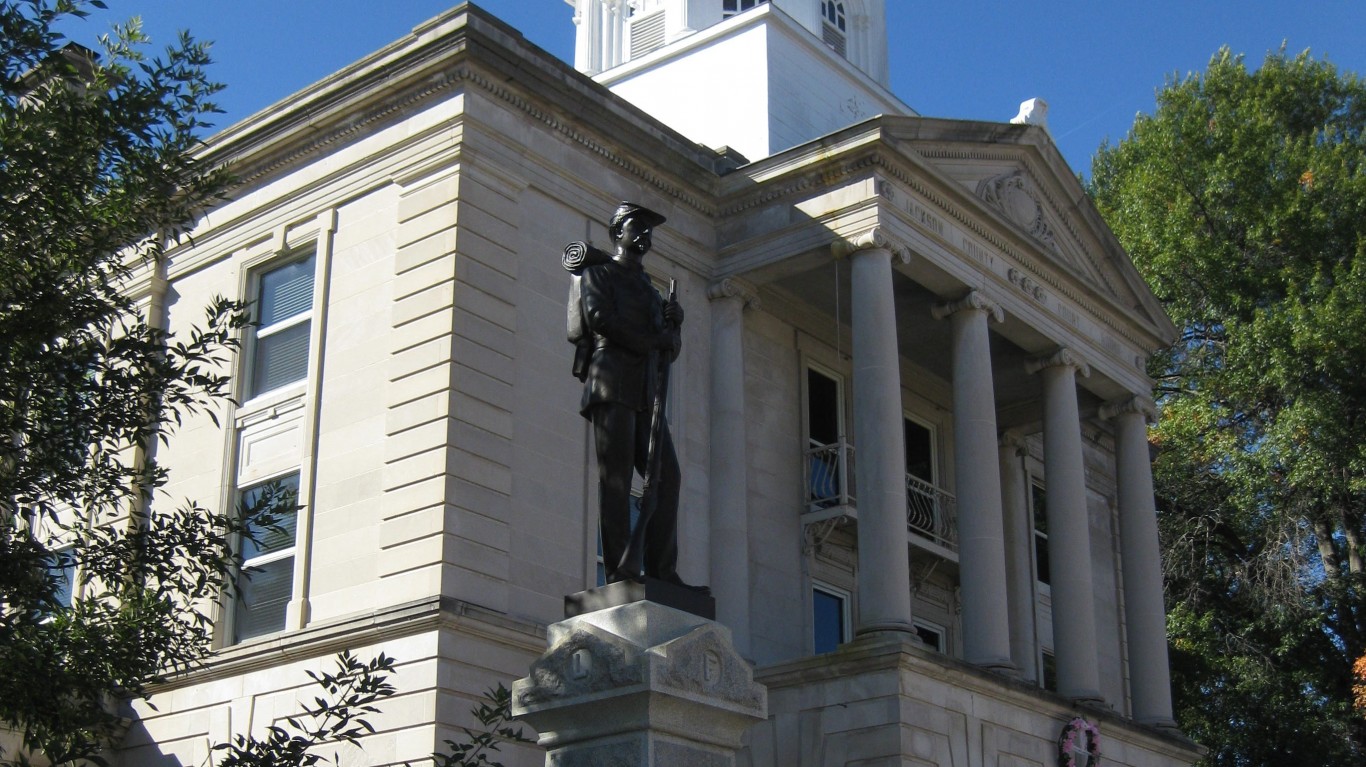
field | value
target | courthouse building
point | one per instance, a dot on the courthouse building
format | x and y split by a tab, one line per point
909	410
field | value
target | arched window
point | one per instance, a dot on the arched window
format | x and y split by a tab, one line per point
835	26
731	7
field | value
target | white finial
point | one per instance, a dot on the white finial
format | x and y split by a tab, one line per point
1032	112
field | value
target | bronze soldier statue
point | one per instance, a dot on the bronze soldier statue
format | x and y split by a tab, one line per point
625	336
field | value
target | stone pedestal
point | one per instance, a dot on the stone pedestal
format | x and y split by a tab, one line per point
639	685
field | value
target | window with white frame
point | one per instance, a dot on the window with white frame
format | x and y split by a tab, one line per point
829	617
267	552
63	571
1049	663
1038	508
835	26
827	457
931	634
731	7
284	313
928	512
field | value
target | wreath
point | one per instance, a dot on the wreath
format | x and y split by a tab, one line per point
1067	743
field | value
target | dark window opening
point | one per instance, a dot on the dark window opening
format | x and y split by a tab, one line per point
1038	499
828	620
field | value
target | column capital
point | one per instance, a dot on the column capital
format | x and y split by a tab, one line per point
1013	441
974	301
1063	357
734	287
871	239
1132	404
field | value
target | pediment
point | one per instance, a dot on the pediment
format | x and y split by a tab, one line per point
1015	175
1017	198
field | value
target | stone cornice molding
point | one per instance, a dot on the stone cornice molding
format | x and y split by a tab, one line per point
1063	357
734	287
1015	442
1125	405
872	239
974	301
258	151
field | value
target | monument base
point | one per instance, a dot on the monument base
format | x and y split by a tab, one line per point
652	590
640	685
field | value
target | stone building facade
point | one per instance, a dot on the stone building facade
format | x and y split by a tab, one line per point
909	408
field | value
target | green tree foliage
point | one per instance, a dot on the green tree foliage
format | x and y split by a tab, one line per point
494	713
1243	202
97	176
336	715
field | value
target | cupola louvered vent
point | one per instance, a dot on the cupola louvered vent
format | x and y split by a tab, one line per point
647	34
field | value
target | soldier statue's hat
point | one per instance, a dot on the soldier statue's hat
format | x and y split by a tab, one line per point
631	210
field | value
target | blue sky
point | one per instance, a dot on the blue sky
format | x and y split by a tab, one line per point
1097	64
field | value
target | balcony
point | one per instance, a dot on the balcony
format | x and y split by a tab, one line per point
931	511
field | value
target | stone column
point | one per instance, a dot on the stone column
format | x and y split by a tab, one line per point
1069	528
1019	535
729	482
884	578
981	539
1144	615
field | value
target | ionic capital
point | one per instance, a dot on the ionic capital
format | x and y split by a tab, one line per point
1014	442
734	287
1063	357
1132	404
974	301
872	239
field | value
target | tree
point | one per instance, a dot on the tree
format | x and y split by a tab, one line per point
335	716
1242	200
98	174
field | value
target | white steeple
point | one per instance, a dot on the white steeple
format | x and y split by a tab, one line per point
758	76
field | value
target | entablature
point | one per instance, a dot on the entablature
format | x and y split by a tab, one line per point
999	234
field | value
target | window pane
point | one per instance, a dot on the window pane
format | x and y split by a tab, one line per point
919	451
281	499
828	620
822	408
1050	671
1041	559
931	637
266	590
1038	501
64	577
286	291
281	358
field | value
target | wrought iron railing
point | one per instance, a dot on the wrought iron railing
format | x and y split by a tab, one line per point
932	512
829	473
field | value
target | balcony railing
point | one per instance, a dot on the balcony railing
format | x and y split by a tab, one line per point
931	512
829	474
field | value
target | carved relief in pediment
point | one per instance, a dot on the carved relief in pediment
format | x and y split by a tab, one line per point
1009	194
1012	193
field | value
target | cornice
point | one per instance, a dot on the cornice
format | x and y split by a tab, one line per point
369	93
252	172
806	178
868	150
